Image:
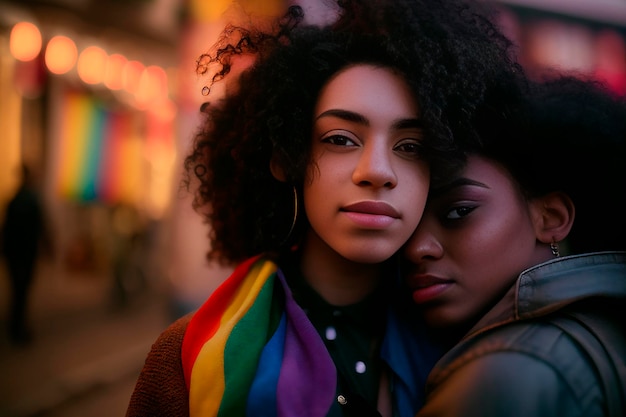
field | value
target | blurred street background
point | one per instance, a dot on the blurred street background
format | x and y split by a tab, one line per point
86	349
99	102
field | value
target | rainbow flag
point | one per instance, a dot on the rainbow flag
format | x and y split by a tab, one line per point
101	149
238	362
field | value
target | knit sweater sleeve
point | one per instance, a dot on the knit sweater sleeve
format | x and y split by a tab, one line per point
160	389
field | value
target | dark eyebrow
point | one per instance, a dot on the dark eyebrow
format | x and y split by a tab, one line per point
408	124
456	183
351	116
345	115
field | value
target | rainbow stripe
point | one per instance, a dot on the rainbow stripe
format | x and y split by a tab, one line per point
232	347
101	151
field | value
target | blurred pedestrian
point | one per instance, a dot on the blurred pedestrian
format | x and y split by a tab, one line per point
127	253
22	236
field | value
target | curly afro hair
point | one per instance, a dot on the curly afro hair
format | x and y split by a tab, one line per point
571	137
450	53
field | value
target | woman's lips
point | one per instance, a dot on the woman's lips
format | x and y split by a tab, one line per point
427	287
371	214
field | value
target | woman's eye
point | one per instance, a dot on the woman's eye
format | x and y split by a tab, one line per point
340	140
409	147
458	212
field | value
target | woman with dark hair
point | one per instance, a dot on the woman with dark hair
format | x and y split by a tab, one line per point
535	332
313	171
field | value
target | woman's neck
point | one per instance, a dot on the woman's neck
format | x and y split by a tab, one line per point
338	280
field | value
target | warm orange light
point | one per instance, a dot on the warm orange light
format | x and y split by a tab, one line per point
131	75
204	11
114	71
267	7
92	64
61	54
166	110
152	85
25	41
158	78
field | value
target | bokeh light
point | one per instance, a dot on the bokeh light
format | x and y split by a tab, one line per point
114	71
61	54
92	64
25	41
131	75
152	86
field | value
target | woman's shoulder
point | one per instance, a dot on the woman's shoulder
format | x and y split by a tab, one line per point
160	389
543	359
165	353
515	384
172	337
560	343
511	371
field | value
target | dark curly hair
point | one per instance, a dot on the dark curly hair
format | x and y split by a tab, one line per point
450	52
569	135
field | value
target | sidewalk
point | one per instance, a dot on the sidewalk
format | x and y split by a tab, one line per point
81	343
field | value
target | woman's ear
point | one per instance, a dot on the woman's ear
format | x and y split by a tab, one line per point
277	170
553	216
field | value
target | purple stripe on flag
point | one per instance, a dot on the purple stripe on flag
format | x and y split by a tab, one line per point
308	378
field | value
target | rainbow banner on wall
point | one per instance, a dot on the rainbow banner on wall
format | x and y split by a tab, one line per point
100	157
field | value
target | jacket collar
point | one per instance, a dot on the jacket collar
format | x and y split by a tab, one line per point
551	285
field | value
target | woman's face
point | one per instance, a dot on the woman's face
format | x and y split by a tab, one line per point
475	237
366	185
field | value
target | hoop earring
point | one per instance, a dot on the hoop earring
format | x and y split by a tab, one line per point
554	247
295	214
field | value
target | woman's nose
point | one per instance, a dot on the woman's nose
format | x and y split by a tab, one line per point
375	166
423	244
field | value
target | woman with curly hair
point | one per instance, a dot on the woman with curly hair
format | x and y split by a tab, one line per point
312	172
520	261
